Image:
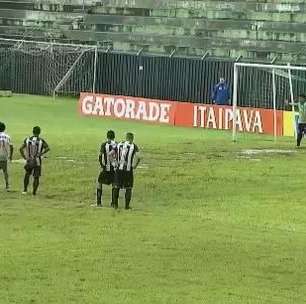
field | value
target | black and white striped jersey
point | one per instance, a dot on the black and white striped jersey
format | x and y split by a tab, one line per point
126	153
34	147
5	146
107	157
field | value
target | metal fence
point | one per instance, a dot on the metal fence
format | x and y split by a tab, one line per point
181	79
38	70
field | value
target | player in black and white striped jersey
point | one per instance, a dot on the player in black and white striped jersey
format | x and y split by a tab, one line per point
6	153
107	160
128	160
32	150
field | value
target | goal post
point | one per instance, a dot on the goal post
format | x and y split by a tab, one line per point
48	68
267	86
67	75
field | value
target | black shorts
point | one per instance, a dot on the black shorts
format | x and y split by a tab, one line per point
302	127
3	165
106	177
32	168
124	179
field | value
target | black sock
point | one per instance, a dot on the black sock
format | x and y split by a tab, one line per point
116	197
128	197
299	139
26	182
35	185
6	180
99	197
113	193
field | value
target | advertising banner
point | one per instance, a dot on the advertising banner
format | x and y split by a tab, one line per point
251	120
123	107
195	115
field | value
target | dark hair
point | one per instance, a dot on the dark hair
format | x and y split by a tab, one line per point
36	130
130	135
2	127
110	134
303	96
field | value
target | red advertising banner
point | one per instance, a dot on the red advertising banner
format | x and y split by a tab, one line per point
221	118
123	107
180	114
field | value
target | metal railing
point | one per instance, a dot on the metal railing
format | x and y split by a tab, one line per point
39	67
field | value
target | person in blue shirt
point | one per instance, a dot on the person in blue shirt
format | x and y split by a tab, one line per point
221	93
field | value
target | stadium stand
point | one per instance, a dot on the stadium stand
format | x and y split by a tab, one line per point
257	30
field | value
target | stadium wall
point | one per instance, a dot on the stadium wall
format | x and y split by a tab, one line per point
253	120
256	30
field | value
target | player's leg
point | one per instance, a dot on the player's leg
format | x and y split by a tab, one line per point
6	178
36	176
35	184
128	197
105	178
116	188
26	180
111	182
99	194
3	167
116	197
299	135
113	195
99	189
128	184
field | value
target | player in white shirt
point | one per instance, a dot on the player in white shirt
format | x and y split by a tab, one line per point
6	153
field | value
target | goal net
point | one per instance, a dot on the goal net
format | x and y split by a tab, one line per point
47	68
267	86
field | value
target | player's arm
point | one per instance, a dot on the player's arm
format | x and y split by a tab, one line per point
137	158
228	93
214	93
21	150
46	148
295	104
101	158
11	151
290	103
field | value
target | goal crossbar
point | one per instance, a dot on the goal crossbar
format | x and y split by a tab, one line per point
48	43
270	66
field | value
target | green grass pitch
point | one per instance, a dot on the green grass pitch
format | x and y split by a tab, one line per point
209	225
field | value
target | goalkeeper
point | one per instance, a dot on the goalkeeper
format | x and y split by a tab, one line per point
300	106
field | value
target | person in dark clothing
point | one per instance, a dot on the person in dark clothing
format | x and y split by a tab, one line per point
107	162
221	93
300	106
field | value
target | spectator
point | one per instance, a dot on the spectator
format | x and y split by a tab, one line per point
221	93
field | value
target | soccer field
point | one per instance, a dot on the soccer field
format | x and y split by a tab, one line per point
211	221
